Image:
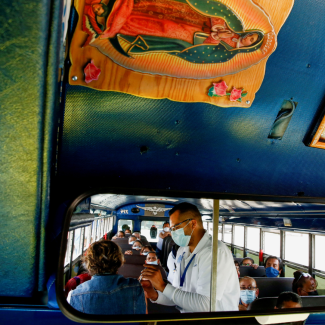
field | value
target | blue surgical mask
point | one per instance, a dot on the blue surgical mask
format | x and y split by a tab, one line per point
145	253
153	263
131	242
180	238
247	296
136	247
271	272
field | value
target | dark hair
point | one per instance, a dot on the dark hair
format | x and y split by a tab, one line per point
236	263
148	247
153	252
105	8
138	241
287	296
277	258
122	232
185	207
259	37
165	223
247	258
103	257
299	280
125	227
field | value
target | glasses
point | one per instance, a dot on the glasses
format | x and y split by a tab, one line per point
305	275
248	288
175	227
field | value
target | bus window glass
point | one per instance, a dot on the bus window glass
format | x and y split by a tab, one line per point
76	243
319	252
145	229
122	222
87	237
205	225
68	252
239	236
220	233
227	233
253	238
296	247
271	243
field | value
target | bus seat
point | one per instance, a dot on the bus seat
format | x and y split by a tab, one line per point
161	309
238	259
121	240
270	302
272	287
166	248
134	271
134	259
250	271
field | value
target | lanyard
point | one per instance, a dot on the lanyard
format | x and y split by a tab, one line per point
184	273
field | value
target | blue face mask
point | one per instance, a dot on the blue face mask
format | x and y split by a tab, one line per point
180	238
271	272
247	296
145	253
152	263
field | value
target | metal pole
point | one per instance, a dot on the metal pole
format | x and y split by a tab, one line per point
245	242
282	243
311	262
213	291
71	253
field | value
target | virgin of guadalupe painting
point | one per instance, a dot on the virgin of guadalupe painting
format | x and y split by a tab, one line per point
180	38
176	49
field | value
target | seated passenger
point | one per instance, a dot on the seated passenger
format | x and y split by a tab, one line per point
143	239
237	268
248	292
273	266
288	299
137	245
127	232
107	292
304	284
73	283
152	259
120	234
146	249
248	261
132	239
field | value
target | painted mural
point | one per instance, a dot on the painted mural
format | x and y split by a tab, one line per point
184	39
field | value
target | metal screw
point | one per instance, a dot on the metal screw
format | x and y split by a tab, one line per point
248	102
74	78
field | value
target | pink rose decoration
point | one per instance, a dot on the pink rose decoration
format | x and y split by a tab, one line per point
235	94
91	72
220	88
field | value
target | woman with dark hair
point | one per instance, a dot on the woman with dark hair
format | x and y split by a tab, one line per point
304	284
145	250
107	293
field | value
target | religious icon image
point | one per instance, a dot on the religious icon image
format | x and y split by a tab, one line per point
196	40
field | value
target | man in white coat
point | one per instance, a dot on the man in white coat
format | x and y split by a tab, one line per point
190	290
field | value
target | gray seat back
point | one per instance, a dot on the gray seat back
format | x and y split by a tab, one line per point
272	287
250	271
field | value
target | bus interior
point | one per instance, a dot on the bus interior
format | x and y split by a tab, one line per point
77	163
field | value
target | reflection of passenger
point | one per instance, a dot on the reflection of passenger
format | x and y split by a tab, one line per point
137	245
288	299
81	277
273	266
120	234
127	232
152	259
248	292
247	261
107	292
192	280
304	284
132	239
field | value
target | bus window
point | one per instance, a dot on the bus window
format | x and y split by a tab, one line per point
76	243
145	229
272	243
296	247
253	238
122	222
239	236
319	252
227	233
68	252
219	233
87	237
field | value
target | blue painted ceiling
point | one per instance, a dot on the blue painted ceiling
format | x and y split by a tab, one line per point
211	149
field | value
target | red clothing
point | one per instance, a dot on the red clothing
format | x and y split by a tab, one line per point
75	281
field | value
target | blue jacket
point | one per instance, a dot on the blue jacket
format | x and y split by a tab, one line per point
109	294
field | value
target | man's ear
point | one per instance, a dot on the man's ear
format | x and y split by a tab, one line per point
299	291
194	224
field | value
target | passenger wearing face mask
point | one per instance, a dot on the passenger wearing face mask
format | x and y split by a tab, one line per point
161	235
152	259
248	292
190	290
145	250
132	239
273	266
304	284
136	245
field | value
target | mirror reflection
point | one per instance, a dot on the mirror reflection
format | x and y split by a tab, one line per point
140	257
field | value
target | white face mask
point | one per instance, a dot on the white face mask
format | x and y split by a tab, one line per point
166	229
136	247
153	263
131	242
145	253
